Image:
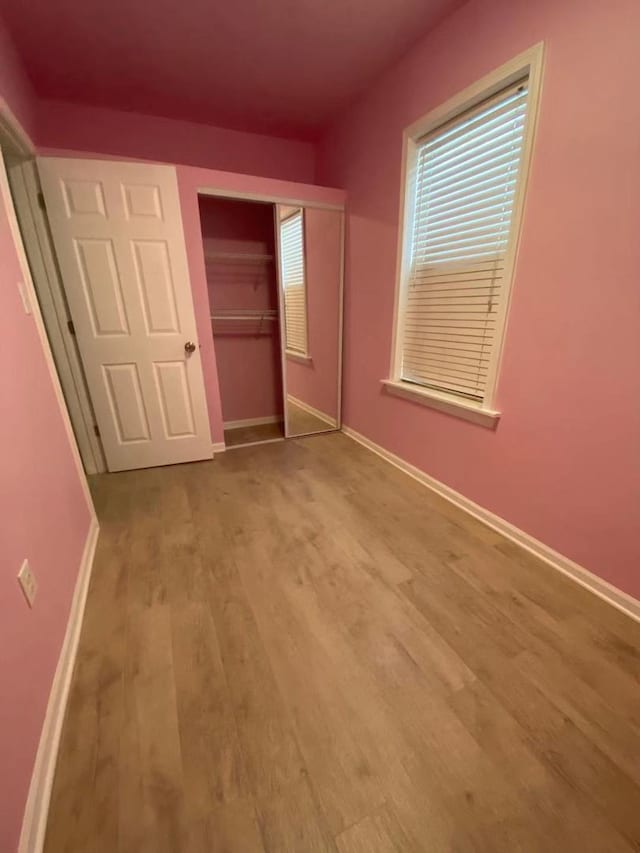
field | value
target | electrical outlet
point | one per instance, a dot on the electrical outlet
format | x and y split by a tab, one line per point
28	582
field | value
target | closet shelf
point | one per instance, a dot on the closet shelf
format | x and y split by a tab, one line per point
238	257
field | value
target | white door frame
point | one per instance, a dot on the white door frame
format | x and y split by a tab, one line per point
17	146
36	240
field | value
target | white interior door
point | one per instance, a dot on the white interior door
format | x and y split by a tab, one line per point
118	235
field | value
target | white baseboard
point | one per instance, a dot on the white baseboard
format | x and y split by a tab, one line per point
248	422
218	447
609	593
323	416
34	823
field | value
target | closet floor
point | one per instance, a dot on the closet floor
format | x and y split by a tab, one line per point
296	647
251	434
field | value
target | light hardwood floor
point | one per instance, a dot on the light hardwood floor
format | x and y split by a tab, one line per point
296	647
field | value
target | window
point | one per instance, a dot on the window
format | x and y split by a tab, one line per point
293	282
463	196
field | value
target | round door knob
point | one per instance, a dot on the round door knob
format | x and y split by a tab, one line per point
189	347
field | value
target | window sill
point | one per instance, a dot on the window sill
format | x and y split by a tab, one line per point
302	357
465	409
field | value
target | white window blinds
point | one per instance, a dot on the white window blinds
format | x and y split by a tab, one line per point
293	282
465	182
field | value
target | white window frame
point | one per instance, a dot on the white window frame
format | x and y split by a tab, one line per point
528	64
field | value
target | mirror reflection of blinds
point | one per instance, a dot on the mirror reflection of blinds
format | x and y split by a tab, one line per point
465	182
293	282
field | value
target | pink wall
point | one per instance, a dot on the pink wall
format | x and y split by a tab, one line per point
564	462
144	137
249	368
43	516
189	181
316	382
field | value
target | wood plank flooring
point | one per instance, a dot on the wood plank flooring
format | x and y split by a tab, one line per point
296	647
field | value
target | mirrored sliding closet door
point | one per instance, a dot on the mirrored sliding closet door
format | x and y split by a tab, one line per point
310	260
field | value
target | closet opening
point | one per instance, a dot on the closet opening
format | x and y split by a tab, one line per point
240	260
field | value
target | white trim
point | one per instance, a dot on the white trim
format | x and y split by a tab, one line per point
7	199
272	198
451	405
301	357
529	63
36	811
603	589
323	416
218	447
247	422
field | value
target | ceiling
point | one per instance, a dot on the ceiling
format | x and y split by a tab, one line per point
284	67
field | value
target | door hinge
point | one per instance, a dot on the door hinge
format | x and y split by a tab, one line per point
96	429
41	202
71	327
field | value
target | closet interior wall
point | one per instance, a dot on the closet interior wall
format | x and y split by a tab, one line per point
239	249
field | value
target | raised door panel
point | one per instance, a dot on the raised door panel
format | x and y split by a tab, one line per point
84	199
175	399
156	286
128	408
101	287
142	202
